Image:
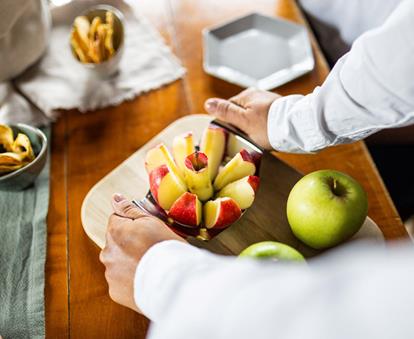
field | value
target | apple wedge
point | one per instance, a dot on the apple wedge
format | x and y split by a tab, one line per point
183	146
160	155
242	191
172	166
197	176
221	213
165	186
240	166
154	158
213	144
186	210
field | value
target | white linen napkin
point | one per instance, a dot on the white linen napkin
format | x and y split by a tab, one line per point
14	108
59	82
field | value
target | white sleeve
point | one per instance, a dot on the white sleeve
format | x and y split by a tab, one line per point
369	89
360	292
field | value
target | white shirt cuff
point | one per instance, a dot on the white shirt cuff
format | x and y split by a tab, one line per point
293	126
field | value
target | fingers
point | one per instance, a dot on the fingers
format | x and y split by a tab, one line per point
244	97
226	111
125	208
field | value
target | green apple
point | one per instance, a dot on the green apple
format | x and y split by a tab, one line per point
272	250
326	207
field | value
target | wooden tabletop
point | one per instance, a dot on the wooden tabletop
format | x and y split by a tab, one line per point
85	147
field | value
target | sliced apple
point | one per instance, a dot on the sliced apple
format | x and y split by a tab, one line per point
186	210
171	163
240	166
197	176
183	146
165	186
213	144
160	155
221	213
154	158
242	191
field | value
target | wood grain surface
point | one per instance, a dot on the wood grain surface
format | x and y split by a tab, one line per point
85	147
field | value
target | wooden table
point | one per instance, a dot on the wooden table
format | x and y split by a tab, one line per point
85	147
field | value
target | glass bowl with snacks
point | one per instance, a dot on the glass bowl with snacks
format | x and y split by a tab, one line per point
23	153
97	39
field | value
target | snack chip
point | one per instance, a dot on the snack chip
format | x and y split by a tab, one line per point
82	26
93	41
6	136
76	43
96	22
18	153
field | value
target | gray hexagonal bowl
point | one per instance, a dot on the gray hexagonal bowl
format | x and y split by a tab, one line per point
257	51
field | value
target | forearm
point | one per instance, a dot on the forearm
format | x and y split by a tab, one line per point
189	293
368	90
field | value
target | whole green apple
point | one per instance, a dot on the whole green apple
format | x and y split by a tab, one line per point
272	250
326	207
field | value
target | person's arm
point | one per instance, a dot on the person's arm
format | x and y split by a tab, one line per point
369	89
361	292
358	293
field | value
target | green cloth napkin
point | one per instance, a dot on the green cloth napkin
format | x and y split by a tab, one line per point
22	259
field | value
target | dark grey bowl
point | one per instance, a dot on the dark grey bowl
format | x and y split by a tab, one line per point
25	176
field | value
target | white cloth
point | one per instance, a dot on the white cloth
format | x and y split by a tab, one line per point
369	89
60	82
16	109
358	292
350	18
337	23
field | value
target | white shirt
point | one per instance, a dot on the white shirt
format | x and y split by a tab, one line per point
350	18
363	292
357	292
369	89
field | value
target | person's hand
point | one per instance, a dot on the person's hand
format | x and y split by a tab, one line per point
130	234
248	111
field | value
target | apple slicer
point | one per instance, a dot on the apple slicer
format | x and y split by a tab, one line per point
236	141
264	220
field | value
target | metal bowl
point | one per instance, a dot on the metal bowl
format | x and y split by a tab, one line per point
110	66
25	176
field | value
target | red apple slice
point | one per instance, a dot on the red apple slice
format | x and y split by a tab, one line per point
183	146
242	191
221	213
213	144
186	210
197	176
240	166
165	186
